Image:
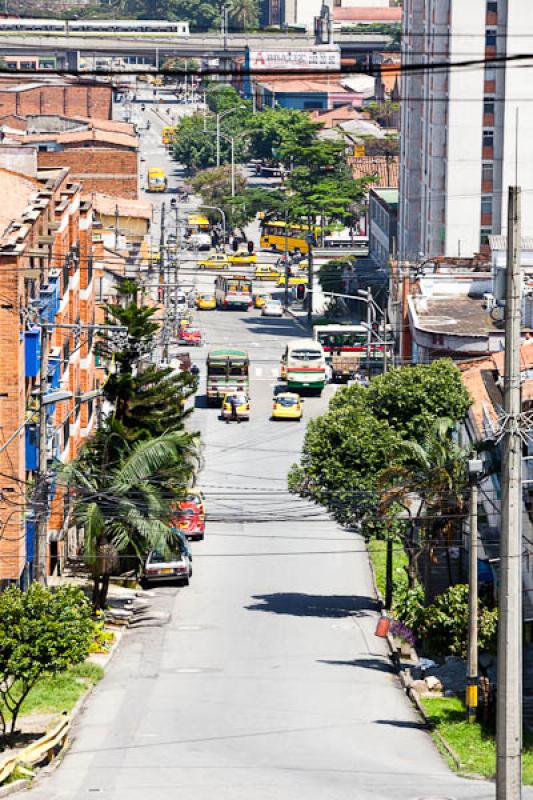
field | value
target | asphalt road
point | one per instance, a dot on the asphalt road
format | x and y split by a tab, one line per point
267	683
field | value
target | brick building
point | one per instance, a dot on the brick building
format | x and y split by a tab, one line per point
45	276
68	97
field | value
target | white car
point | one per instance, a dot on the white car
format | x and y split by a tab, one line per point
272	308
167	565
199	241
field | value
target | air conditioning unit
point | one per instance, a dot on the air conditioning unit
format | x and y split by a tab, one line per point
489	301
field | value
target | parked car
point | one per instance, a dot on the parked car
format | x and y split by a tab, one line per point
191	336
166	565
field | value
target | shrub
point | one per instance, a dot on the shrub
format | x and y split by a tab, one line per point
42	632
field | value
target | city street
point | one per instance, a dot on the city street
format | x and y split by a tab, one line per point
268	681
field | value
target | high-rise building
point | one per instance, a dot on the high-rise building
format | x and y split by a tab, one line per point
466	122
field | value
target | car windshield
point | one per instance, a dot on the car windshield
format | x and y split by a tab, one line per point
240	398
287	401
274	303
160	557
307	355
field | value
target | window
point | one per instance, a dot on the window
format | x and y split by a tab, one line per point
488	107
491	37
490	74
492	6
484	236
488	138
486	205
487	172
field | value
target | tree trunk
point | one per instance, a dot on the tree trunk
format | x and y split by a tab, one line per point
103	592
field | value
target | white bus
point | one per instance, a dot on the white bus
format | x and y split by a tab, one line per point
352	339
303	365
233	291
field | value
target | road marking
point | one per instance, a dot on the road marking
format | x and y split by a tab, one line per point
259	371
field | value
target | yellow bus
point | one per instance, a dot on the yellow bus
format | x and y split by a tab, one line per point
168	134
157	180
197	223
275	235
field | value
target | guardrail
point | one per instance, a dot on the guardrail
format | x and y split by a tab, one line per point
44	749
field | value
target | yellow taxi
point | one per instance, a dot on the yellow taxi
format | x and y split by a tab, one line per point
206	302
242	409
287	405
266	272
294	280
242	256
261	298
214	261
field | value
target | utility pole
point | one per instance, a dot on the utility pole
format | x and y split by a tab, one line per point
509	679
368	331
162	253
40	551
287	271
475	467
116	226
389	583
309	274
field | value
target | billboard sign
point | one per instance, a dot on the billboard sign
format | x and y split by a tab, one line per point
314	60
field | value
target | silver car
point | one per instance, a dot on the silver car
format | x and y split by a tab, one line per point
166	566
272	308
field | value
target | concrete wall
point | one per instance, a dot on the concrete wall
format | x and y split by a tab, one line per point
19	158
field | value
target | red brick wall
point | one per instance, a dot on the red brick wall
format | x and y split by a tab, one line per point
107	171
87	101
12	459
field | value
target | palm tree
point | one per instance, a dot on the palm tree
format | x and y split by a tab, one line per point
435	471
123	496
243	14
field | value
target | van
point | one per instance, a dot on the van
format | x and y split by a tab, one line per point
200	241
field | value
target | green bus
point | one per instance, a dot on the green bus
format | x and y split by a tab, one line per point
227	371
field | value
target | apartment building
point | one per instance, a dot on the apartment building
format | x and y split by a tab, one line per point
465	133
45	277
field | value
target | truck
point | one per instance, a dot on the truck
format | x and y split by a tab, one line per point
227	371
344	367
157	180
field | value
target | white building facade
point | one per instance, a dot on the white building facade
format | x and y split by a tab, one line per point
466	129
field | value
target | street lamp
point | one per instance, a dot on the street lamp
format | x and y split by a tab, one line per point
231	140
220	115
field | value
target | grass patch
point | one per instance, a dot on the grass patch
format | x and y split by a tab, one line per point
474	746
377	549
61	692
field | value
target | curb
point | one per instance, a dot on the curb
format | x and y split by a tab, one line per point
411	693
13	788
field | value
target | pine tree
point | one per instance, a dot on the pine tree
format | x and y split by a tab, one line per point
148	400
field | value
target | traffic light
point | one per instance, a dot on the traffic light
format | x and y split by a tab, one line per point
235	245
301	291
250	247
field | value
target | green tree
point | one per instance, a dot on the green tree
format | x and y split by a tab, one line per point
202	15
343	453
243	14
147	400
123	495
409	399
42	632
214	187
272	127
435	470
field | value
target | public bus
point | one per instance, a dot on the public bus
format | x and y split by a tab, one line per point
351	339
157	180
168	134
233	291
197	223
303	365
276	235
227	371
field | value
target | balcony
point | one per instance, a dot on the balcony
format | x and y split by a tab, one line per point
32	351
32	446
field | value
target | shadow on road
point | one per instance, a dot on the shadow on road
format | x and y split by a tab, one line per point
402	723
313	605
377	664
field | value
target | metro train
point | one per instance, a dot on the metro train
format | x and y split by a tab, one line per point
20	26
